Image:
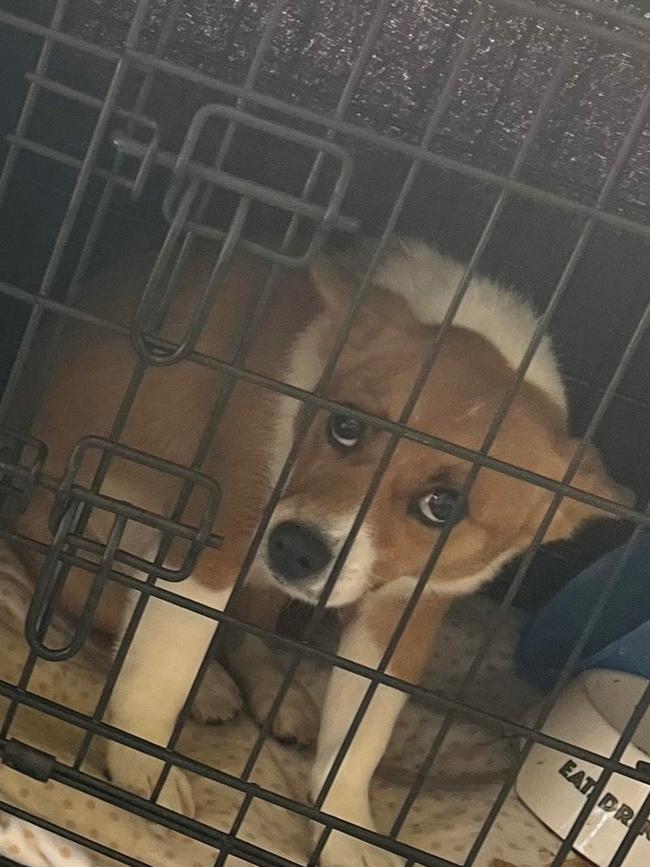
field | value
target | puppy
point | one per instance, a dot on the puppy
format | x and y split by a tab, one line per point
415	501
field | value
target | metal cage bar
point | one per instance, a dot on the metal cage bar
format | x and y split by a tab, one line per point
240	356
72	210
63	237
634	131
477	662
112	178
364	134
67	834
301	432
438	443
156	349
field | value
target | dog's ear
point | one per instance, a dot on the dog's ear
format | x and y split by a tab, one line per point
337	279
593	478
334	286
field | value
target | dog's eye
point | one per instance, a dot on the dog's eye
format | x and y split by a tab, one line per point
344	431
436	507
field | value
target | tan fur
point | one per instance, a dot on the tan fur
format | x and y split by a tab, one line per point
171	408
375	373
463	392
414	647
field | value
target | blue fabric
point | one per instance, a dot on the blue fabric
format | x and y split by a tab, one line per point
621	638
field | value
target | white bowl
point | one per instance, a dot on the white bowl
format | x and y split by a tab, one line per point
591	713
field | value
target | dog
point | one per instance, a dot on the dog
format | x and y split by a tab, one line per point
416	500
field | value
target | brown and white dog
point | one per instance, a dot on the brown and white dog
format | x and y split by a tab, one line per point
400	317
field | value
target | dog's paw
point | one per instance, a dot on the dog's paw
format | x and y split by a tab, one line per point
296	721
218	699
138	773
344	851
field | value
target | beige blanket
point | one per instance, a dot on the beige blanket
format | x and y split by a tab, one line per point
444	820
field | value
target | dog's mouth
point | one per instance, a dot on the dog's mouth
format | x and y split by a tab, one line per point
309	593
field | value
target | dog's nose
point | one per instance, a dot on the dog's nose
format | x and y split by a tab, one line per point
296	552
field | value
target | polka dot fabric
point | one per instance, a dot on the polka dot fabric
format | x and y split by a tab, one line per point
36	847
457	794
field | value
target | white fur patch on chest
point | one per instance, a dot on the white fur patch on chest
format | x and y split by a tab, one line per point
427	281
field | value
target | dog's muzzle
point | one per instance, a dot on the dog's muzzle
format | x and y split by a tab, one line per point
296	552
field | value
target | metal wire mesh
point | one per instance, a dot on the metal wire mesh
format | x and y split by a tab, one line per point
123	151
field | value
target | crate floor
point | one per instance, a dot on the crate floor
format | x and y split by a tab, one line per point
444	820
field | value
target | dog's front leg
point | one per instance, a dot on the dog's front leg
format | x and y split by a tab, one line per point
364	640
168	647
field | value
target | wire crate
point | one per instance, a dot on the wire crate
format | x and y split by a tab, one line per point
285	128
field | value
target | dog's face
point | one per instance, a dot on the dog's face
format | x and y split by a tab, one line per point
418	496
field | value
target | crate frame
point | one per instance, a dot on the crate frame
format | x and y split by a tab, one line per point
154	351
